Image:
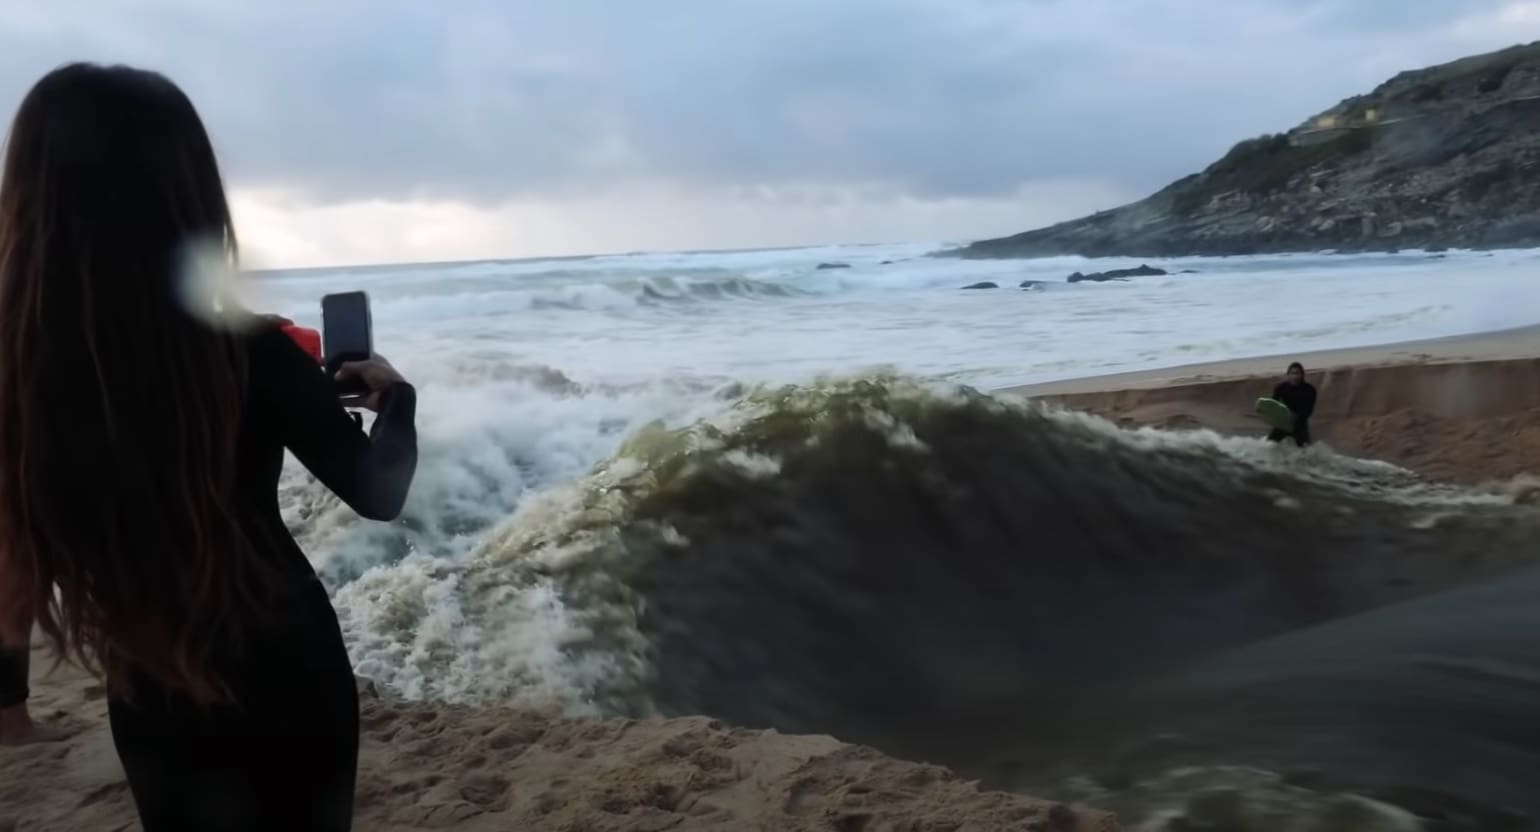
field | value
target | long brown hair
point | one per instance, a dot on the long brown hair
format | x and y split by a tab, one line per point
119	410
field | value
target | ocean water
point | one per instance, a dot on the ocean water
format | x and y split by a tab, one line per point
774	316
743	485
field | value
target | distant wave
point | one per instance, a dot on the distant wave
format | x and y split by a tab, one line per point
667	290
689	282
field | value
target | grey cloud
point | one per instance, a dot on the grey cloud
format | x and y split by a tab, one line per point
1389	15
485	101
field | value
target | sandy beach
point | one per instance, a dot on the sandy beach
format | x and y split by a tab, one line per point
1460	409
484	769
1463	409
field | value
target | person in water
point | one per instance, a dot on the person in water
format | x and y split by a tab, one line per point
141	442
1299	396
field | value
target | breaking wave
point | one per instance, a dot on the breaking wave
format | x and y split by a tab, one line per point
924	568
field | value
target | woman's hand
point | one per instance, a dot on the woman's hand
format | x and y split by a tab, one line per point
375	374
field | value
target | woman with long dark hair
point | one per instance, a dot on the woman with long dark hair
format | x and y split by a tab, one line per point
141	442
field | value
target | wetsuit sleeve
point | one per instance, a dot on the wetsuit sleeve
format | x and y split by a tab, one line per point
1278	393
370	472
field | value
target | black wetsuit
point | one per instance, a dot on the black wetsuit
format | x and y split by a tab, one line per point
1300	399
14	663
286	757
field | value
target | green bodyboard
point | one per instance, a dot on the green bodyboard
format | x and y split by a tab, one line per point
1275	413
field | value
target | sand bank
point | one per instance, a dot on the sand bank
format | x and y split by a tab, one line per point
1463	409
484	769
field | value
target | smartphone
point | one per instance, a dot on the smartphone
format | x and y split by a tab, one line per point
347	334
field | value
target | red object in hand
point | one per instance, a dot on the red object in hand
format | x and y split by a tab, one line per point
308	339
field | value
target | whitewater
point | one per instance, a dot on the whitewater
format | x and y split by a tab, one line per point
764	485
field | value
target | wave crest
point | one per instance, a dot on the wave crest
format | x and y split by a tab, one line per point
821	547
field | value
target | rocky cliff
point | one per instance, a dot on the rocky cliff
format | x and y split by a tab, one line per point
1442	157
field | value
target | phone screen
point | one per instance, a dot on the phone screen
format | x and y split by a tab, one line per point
346	329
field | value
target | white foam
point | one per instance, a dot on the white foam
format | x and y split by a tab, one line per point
1319	464
408	628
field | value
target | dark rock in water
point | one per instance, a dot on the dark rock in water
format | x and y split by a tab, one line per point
1188	271
1117	274
1032	284
984	285
886	263
827	266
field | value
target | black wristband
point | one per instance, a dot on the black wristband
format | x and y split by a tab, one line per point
14	668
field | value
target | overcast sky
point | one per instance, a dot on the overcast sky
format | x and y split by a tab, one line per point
389	130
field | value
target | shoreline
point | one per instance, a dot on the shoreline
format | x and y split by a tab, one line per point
1497	345
1463	409
967	251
